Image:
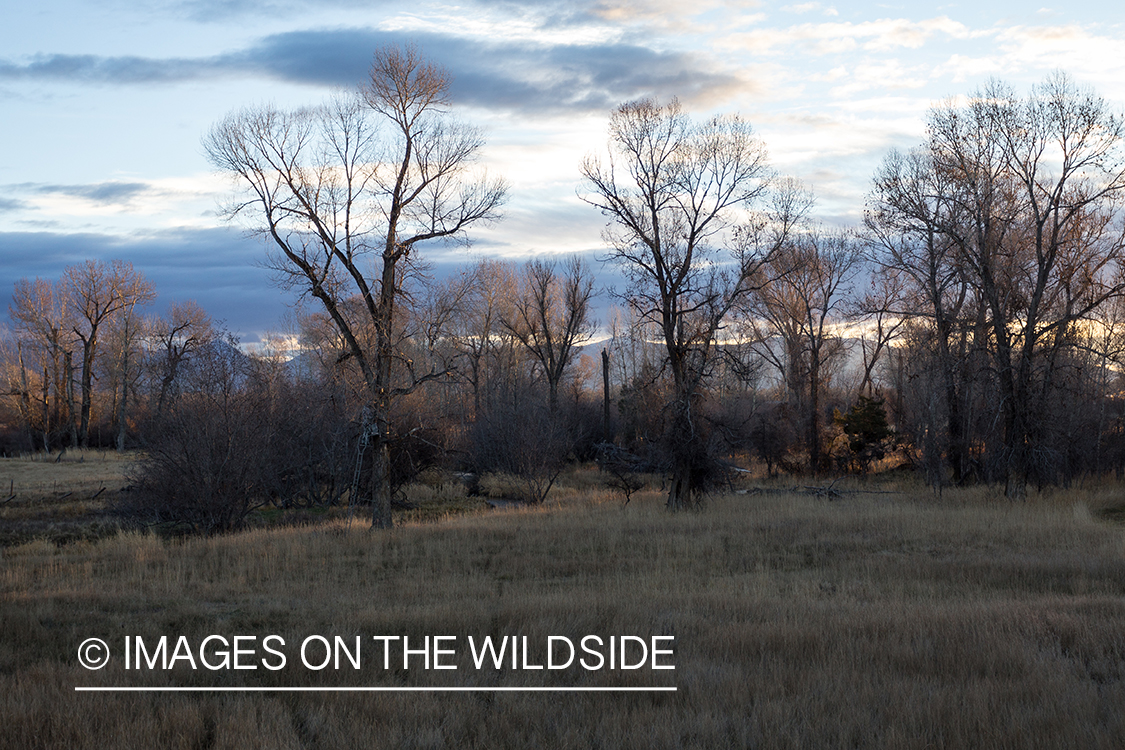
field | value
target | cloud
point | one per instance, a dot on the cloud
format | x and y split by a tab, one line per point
102	193
95	69
585	77
515	76
809	8
1083	51
219	268
664	13
960	68
32	202
884	75
551	13
837	37
215	11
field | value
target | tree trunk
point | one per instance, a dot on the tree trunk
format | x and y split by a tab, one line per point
381	408
165	386
475	364
1018	433
553	395
46	412
25	398
813	436
607	436
70	401
957	449
87	390
380	487
680	441
121	401
681	495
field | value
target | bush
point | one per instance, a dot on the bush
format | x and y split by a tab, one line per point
865	425
204	467
528	443
243	435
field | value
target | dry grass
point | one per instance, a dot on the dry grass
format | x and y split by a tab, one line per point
873	621
71	499
40	474
62	498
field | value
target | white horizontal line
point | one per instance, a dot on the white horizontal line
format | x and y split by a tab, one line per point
375	689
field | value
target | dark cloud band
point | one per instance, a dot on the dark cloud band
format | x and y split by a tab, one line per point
183	263
501	75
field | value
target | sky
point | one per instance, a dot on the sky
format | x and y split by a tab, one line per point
103	105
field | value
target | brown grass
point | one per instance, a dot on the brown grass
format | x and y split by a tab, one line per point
39	474
60	498
872	621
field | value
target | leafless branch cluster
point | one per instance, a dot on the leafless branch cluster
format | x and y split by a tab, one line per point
357	185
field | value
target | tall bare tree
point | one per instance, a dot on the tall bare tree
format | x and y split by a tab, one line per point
798	316
911	210
552	318
485	346
96	292
39	312
126	340
677	194
345	201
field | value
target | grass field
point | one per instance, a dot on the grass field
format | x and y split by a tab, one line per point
61	498
878	620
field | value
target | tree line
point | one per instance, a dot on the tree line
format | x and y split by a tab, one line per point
82	356
971	327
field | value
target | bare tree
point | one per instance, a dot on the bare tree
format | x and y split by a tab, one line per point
798	317
126	333
1024	195
17	383
631	344
338	194
184	329
97	291
881	324
911	209
552	318
680	196
39	312
487	348
214	453
1104	342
